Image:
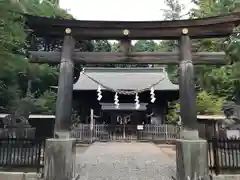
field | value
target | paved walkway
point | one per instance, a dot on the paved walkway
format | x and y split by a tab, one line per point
125	161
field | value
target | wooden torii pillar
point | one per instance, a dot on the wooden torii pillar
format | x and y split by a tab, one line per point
189	146
187	89
65	88
60	152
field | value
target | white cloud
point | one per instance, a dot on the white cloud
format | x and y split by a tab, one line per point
120	10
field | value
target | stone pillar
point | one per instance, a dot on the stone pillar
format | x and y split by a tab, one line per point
60	155
65	88
191	157
192	162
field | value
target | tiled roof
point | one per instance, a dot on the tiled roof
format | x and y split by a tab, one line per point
125	79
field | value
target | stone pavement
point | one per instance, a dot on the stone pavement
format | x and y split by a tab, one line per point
125	161
169	150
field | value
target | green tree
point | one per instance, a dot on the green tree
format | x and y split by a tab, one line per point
20	81
12	39
173	12
115	47
102	46
145	46
46	103
223	81
209	104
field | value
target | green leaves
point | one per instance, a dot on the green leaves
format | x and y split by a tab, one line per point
17	75
12	34
222	82
233	49
45	8
102	46
219	81
46	103
146	46
209	104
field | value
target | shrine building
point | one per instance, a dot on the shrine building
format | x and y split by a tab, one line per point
126	81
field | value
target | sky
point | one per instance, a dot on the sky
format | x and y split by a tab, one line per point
119	10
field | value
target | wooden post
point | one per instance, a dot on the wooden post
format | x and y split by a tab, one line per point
187	88
60	152
91	123
191	152
65	88
126	46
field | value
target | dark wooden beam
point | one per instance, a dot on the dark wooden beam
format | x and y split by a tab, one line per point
218	26
187	85
196	32
133	57
65	87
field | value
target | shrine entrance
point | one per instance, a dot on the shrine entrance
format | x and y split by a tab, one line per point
124	130
60	164
121	124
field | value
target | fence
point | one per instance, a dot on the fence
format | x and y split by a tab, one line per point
148	132
17	132
17	153
224	155
160	132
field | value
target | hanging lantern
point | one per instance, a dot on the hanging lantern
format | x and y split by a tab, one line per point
137	105
99	93
153	99
116	101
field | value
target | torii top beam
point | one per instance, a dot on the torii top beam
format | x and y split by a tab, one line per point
218	26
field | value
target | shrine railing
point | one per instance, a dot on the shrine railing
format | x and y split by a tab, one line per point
162	133
224	156
22	153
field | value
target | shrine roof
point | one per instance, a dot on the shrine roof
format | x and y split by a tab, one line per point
125	79
218	26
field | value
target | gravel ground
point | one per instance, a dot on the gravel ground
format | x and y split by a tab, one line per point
124	161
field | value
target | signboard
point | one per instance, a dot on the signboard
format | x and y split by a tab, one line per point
139	127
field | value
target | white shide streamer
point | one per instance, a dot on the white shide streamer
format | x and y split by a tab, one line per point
116	101
99	93
137	105
153	99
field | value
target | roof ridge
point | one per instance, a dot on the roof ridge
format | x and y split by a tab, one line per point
137	69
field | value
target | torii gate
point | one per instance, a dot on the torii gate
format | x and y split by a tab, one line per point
189	146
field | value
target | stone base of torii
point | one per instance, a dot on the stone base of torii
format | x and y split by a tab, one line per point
191	157
59	160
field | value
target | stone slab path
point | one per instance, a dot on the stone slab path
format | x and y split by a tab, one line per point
124	161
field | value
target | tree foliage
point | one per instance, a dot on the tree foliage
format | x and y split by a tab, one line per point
220	81
215	84
20	81
209	104
146	46
102	46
